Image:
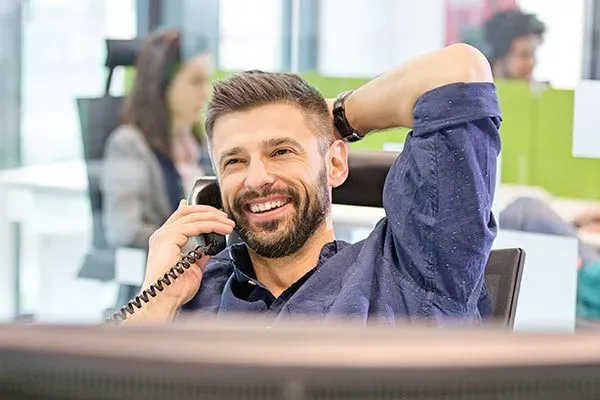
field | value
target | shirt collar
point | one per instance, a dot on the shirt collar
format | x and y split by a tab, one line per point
243	271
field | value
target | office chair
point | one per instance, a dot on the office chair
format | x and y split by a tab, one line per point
98	118
364	187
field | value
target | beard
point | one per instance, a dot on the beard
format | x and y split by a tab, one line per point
281	237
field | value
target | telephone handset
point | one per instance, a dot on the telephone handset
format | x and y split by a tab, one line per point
205	191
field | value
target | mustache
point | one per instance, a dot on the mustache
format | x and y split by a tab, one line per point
250	195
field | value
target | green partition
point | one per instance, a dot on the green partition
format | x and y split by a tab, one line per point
332	86
519	120
555	167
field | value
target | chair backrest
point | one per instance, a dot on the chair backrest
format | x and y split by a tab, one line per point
364	187
98	117
503	273
366	176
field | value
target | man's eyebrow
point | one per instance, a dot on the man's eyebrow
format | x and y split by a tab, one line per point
231	152
274	142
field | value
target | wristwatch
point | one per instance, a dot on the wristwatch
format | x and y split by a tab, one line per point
340	121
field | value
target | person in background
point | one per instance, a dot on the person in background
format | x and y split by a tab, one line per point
153	159
529	214
512	39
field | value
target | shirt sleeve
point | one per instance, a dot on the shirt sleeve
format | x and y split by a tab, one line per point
438	194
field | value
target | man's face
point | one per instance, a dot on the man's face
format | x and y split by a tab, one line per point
273	177
520	61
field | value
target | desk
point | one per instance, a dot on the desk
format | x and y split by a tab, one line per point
51	204
567	208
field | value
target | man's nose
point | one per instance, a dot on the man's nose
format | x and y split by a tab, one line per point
258	174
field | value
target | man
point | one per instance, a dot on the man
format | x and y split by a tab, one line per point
512	39
277	158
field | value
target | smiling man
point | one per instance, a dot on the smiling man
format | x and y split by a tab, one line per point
277	156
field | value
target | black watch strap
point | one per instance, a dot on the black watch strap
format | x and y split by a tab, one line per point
340	121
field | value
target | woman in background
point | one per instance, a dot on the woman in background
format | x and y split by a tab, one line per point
153	159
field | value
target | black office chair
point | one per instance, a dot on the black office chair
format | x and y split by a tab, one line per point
98	118
364	187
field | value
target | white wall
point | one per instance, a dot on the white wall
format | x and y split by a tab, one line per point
250	34
63	58
559	59
367	37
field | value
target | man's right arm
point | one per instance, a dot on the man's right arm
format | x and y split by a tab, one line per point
156	311
165	247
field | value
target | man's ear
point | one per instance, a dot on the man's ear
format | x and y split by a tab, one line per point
337	163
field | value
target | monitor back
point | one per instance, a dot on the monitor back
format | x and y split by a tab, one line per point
324	362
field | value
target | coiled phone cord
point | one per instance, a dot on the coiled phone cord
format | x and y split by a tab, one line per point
174	273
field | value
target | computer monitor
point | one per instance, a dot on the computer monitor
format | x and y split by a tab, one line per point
247	360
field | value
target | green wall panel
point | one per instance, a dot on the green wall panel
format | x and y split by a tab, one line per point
555	167
519	119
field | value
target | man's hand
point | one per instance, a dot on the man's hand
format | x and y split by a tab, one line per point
166	250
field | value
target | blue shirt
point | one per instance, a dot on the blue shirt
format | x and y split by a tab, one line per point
425	260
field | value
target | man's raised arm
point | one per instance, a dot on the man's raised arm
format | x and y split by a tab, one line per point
388	101
439	192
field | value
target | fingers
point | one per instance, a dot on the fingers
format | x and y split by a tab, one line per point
197	228
179	233
204	216
185	209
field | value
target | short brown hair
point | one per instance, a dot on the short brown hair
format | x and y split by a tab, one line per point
250	89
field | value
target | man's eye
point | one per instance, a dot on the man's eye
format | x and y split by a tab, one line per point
281	152
232	161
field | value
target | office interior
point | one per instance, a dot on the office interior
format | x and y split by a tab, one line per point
53	57
46	213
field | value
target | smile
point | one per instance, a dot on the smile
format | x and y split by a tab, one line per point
262	207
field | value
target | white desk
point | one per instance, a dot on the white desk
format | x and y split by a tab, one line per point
51	204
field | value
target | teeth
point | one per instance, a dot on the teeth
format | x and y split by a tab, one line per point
269	205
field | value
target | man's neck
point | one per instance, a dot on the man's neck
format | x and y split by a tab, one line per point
278	274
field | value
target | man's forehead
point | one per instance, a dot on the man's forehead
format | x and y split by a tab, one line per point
266	126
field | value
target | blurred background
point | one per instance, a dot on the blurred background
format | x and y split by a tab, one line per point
60	262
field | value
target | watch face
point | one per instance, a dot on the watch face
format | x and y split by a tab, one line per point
340	121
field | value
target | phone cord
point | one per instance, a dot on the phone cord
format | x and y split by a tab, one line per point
179	269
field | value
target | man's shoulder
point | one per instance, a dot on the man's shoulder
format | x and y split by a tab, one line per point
222	261
214	278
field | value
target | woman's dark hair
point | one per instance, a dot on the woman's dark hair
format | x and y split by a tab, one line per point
505	26
146	107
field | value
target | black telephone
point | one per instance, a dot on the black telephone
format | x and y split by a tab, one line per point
205	191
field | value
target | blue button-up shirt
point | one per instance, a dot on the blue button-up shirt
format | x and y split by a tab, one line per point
425	260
